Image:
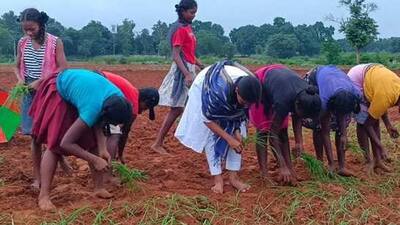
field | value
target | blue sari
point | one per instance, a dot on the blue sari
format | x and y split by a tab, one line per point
219	104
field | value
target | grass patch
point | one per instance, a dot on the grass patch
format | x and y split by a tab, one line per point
103	216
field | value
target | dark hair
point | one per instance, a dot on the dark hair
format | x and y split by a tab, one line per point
151	98
249	88
32	14
309	101
344	102
183	6
117	110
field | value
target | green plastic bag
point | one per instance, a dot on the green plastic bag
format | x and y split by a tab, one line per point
9	122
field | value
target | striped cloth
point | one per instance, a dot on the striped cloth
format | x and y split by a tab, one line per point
33	59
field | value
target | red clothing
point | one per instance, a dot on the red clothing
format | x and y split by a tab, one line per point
129	91
184	37
50	125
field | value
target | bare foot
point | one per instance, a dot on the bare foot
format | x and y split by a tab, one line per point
36	185
45	204
218	184
159	149
236	183
66	167
102	193
346	173
218	188
370	168
380	165
331	168
115	181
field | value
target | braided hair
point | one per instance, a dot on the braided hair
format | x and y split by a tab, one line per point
41	18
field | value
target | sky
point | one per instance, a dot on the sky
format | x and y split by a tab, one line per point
228	13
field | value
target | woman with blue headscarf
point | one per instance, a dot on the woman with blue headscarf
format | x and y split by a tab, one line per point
215	118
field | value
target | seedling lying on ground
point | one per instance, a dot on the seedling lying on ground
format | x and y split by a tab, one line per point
128	176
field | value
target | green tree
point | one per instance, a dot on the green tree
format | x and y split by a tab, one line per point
282	45
54	27
144	43
245	38
6	42
159	34
125	37
164	48
360	29
95	39
331	50
228	50
71	41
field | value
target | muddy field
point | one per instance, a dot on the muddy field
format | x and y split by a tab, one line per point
178	186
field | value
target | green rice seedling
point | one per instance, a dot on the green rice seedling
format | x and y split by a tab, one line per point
341	208
18	91
290	213
366	214
128	176
69	219
388	186
131	210
316	167
151	212
255	139
261	214
103	215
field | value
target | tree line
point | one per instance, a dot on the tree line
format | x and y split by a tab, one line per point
280	39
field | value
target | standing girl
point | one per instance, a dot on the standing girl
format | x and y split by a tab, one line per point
39	56
215	119
175	87
284	92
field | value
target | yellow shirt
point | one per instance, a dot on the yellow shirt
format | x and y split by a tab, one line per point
382	90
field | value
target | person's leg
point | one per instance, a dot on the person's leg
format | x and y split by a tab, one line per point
169	120
47	169
341	154
98	180
215	168
233	165
262	152
318	145
363	142
379	152
36	160
284	141
113	148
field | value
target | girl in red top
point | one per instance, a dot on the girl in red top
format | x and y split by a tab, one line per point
175	87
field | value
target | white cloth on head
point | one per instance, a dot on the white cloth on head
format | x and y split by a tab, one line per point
115	129
191	130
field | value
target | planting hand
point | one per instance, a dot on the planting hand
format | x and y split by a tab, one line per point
100	164
105	155
235	145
